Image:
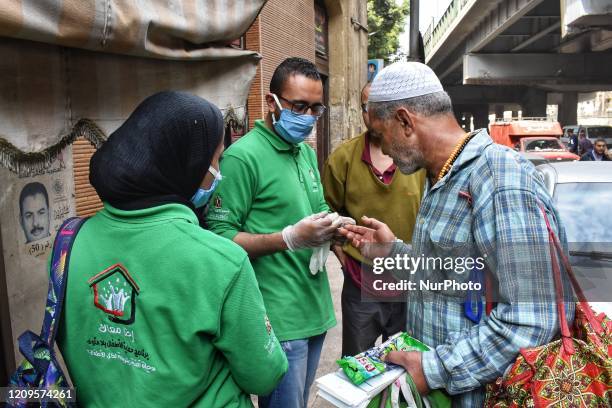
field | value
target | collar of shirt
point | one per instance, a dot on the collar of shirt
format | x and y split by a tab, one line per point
276	141
160	213
596	156
366	157
471	151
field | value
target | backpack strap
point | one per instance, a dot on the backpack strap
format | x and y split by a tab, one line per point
58	277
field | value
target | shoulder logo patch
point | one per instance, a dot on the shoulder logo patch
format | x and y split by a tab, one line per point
115	292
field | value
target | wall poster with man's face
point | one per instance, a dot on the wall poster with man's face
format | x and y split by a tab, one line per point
33	206
41	204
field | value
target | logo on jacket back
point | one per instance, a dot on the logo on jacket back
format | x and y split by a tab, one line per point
115	293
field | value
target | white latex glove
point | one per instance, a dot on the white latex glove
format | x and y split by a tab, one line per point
345	220
309	232
321	253
318	258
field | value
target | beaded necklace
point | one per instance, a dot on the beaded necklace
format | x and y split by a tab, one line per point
456	152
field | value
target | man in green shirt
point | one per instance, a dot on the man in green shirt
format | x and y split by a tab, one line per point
271	203
359	179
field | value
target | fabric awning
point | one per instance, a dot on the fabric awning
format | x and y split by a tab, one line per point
64	62
175	29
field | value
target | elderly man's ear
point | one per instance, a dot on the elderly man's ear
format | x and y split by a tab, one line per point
405	118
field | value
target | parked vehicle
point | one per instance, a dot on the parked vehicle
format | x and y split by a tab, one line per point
510	132
581	191
548	147
534	158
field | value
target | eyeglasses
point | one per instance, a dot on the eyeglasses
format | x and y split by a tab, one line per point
364	107
301	107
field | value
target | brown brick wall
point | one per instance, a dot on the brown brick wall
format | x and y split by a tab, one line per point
255	102
87	201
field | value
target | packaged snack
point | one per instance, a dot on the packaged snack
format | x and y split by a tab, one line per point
404	342
361	367
369	363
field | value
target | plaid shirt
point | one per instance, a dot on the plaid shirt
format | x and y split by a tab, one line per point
500	220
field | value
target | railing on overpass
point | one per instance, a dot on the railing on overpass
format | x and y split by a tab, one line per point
436	29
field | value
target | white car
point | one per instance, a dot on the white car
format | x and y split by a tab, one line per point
582	192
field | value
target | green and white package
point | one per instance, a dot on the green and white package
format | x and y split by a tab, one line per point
369	363
361	367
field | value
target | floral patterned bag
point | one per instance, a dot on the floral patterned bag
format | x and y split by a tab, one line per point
569	372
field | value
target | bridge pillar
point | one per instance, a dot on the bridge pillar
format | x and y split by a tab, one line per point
534	103
568	109
480	113
499	111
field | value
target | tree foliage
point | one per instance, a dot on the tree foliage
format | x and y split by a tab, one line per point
386	20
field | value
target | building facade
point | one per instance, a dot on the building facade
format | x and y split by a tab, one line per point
595	108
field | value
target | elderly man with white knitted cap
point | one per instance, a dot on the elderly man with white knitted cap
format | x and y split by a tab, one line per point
482	218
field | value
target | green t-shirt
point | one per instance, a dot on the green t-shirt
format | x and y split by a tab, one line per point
269	184
160	312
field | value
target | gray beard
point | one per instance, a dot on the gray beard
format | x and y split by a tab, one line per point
407	161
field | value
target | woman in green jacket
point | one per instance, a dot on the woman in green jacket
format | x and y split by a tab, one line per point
158	311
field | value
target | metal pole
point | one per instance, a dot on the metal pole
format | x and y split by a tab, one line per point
414	30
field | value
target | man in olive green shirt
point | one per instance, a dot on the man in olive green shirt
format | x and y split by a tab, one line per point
359	180
271	203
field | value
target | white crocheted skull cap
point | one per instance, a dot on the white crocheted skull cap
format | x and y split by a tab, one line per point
403	80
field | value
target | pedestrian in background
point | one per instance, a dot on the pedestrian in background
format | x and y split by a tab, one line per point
359	179
572	143
584	145
271	203
599	152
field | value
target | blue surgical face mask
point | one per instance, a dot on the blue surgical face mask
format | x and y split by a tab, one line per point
293	127
202	196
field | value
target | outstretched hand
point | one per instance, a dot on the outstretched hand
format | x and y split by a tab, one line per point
373	239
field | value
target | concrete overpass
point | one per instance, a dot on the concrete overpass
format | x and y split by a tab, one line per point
496	55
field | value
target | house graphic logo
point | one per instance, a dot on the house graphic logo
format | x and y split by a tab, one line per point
115	292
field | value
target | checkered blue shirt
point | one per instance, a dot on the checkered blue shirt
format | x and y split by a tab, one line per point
501	222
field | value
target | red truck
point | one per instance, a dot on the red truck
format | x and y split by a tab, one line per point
532	135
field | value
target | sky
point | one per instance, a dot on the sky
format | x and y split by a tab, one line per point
428	10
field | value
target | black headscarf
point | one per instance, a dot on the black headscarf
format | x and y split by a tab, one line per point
160	154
